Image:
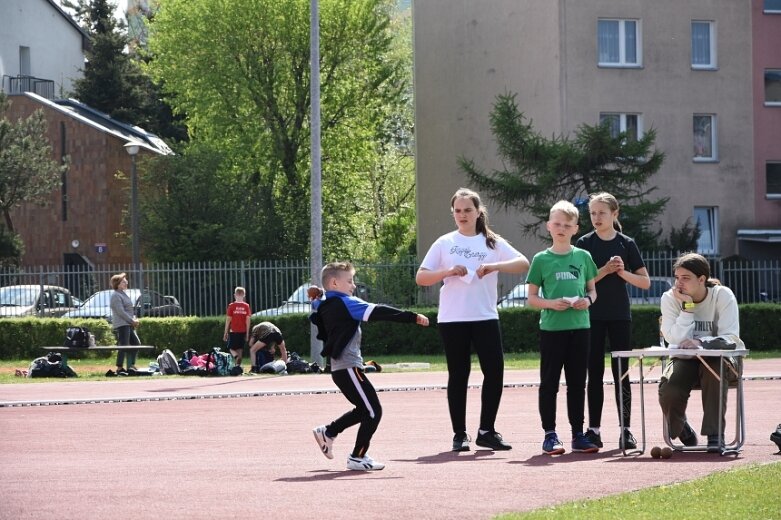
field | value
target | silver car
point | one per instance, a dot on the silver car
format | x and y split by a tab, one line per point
49	301
652	295
298	302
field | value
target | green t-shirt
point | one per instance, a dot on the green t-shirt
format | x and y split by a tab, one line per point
560	276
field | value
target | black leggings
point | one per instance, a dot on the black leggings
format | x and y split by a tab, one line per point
567	349
619	332
459	338
368	411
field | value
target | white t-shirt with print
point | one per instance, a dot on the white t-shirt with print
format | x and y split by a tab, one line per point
467	298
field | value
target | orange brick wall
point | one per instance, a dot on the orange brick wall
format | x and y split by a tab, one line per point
98	201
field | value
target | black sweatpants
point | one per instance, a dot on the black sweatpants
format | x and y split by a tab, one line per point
619	332
368	411
566	349
486	338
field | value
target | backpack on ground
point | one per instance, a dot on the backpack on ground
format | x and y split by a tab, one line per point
77	337
220	363
167	363
50	366
296	365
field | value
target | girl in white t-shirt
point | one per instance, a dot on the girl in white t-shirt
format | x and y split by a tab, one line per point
467	262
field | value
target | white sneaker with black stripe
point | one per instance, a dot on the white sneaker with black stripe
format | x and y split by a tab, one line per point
364	463
325	442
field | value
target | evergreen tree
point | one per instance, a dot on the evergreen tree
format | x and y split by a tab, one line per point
540	171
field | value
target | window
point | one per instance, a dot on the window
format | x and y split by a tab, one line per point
707	219
773	87
703	45
705	138
773	180
772	6
631	124
619	43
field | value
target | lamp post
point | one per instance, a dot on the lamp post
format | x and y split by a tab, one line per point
132	149
316	262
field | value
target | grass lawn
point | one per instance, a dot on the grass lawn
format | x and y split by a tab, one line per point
94	369
749	492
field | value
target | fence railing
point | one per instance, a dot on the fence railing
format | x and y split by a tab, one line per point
206	288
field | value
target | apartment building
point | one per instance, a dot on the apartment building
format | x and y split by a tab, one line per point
684	69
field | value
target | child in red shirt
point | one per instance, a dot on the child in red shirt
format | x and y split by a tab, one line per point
237	325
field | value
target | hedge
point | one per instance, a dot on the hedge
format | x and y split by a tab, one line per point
21	338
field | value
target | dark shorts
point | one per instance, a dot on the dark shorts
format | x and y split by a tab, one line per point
272	338
262	357
236	340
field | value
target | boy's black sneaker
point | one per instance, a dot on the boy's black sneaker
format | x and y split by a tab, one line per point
461	442
492	440
687	435
627	441
594	438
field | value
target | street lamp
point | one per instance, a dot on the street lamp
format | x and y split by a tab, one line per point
132	148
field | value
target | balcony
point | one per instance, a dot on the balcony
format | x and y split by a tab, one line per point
20	84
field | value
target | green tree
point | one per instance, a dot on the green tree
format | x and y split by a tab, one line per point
27	171
194	210
239	70
540	171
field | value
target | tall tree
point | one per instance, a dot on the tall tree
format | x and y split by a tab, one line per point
27	171
239	69
113	81
540	171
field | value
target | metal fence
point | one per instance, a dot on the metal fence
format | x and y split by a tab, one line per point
206	288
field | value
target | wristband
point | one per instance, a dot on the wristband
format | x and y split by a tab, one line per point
688	306
590	301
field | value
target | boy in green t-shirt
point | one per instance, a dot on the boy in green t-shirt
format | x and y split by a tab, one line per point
566	276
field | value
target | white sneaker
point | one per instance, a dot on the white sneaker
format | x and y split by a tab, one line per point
364	463
325	442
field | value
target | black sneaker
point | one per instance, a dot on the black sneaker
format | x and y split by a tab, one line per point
776	437
594	438
461	442
687	435
627	441
714	443
492	440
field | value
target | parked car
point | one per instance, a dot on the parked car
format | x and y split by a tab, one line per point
298	302
146	304
516	297
48	301
652	295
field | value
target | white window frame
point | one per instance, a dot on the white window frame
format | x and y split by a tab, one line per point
622	60
712	64
707	217
623	117
768	194
773	103
714	142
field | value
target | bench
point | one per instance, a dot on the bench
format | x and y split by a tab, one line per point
66	350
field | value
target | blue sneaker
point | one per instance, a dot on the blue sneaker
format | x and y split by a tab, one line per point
552	445
583	445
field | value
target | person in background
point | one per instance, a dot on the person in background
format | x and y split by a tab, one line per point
265	340
467	262
611	315
124	323
237	325
697	313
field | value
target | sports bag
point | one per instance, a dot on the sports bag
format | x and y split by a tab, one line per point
77	337
220	363
167	363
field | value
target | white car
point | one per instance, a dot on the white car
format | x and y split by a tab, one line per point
516	297
298	302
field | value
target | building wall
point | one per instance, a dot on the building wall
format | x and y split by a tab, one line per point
468	53
55	45
97	197
767	120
